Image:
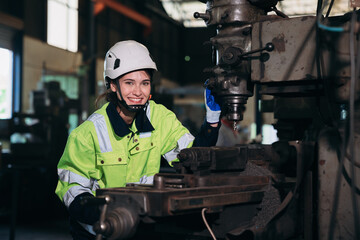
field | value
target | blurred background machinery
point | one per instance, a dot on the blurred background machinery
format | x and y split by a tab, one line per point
301	70
309	65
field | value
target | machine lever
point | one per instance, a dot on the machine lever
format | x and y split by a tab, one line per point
100	227
204	16
233	56
268	47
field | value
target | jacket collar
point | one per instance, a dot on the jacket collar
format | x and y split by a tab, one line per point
121	129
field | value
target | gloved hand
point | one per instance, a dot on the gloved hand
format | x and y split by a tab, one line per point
213	109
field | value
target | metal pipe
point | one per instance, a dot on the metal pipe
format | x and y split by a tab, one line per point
128	12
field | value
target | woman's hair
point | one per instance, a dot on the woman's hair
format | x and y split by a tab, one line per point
107	96
110	96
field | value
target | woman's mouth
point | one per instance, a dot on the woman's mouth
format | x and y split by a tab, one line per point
135	100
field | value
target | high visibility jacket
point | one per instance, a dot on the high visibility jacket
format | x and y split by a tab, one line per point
103	152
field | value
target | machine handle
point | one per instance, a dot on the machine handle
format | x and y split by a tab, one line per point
234	56
268	47
204	16
100	227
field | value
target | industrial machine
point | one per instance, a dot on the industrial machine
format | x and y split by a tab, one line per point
303	186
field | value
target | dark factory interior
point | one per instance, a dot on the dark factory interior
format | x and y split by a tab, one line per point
284	163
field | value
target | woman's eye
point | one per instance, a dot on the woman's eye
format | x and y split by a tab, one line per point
129	83
146	83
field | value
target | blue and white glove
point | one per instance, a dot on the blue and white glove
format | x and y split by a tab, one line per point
213	109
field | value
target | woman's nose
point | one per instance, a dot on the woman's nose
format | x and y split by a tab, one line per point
137	90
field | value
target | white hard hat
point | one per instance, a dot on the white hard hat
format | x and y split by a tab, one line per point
124	57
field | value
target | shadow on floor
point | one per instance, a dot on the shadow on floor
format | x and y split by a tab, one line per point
54	230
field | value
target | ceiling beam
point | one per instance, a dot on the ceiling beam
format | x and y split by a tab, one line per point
124	10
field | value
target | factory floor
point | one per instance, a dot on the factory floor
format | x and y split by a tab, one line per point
28	193
40	230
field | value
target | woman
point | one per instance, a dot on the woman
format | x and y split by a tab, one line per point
124	140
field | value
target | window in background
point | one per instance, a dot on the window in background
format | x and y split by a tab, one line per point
269	134
70	85
62	27
6	83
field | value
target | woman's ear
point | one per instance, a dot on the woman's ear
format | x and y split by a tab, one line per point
113	86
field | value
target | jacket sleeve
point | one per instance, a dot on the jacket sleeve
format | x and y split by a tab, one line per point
175	137
77	174
207	136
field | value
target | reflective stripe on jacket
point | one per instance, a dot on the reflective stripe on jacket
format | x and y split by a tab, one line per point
96	157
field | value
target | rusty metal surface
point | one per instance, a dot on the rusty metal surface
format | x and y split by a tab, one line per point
219	188
204	160
328	165
232	198
177	196
295	108
245	182
188	203
293	58
180	194
230	80
230	11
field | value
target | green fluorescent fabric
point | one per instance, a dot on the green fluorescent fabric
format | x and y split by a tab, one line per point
96	157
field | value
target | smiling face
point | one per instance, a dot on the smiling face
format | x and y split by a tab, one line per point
135	87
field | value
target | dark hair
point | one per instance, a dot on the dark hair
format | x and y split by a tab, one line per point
107	96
